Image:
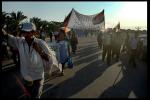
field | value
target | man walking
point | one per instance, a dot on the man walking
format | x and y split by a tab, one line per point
32	52
107	46
133	48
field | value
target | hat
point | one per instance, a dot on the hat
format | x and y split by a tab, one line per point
28	27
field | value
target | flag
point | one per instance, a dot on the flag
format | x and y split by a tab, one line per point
117	27
99	18
66	21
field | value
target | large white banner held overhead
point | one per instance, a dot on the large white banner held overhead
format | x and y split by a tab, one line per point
79	21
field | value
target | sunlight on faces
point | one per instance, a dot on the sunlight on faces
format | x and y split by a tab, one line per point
134	14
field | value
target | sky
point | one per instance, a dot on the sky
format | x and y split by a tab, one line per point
129	14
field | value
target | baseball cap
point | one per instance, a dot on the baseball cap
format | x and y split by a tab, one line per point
28	27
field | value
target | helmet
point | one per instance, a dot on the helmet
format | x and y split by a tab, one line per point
28	27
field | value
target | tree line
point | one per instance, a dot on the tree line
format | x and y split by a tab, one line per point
11	22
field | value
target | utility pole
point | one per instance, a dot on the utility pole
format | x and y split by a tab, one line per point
137	28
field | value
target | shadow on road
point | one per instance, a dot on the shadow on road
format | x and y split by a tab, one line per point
82	78
86	59
87	51
132	85
86	55
79	81
10	87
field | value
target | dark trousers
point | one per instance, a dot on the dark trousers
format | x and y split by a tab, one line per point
74	48
144	57
132	57
4	52
51	36
116	51
106	50
15	57
100	44
35	88
63	66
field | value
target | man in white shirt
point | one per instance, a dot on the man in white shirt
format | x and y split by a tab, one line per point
133	47
32	53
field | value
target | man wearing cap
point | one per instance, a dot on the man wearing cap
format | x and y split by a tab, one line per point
32	53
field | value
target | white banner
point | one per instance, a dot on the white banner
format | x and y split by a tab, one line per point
80	21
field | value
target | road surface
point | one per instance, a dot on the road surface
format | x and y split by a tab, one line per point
90	77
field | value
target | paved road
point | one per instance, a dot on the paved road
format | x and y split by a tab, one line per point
90	77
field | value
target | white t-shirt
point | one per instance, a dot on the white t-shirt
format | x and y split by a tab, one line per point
133	43
31	63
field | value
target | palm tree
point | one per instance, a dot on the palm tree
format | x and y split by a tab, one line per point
6	22
37	22
16	19
45	25
56	25
4	18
